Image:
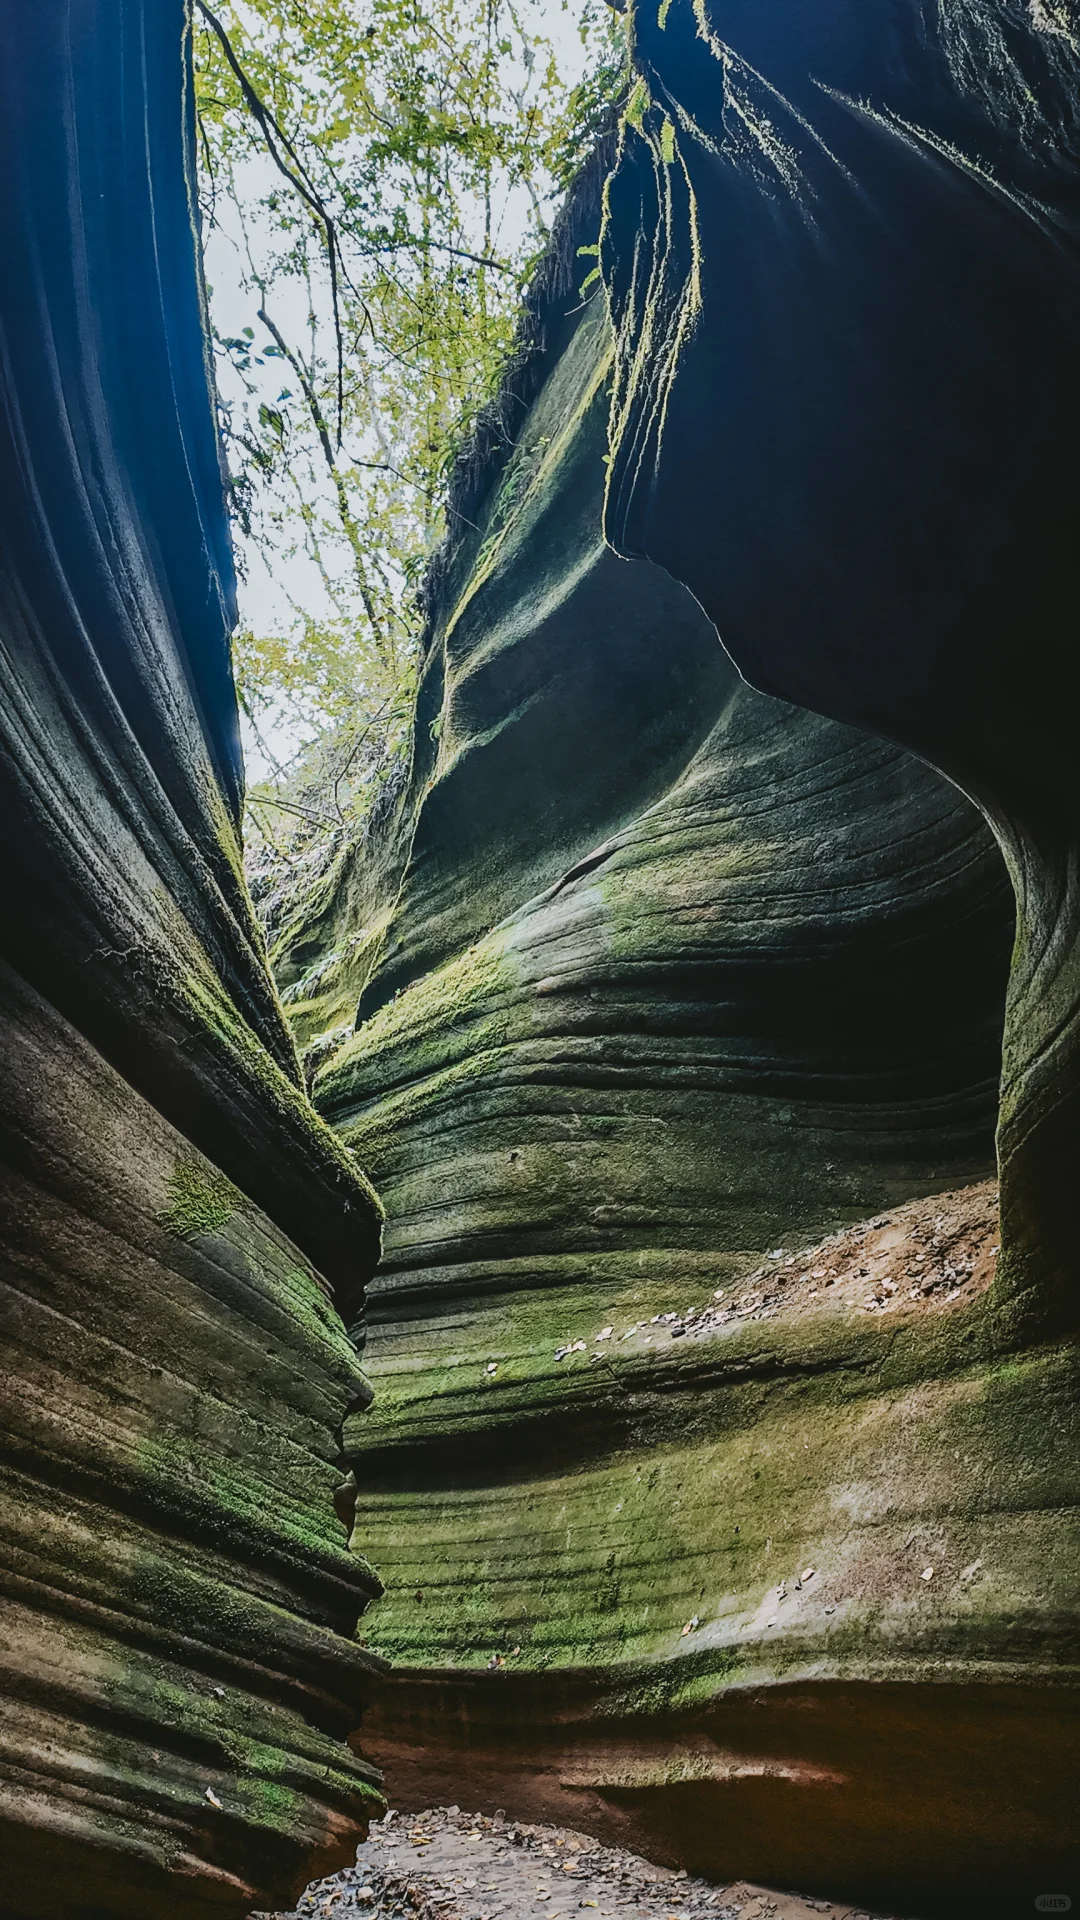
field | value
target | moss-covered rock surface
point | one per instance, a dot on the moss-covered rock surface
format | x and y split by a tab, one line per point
182	1238
663	981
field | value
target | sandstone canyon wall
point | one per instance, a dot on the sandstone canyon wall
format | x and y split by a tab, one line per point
177	1633
843	258
659	980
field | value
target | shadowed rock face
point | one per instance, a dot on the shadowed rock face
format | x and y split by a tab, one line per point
665	970
841	254
668	975
179	1672
843	262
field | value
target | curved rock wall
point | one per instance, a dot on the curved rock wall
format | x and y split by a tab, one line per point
661	979
177	1640
842	256
767	1005
180	1668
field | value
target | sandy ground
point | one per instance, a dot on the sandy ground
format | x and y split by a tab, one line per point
928	1256
449	1865
920	1258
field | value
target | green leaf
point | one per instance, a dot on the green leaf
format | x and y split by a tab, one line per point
409	120
636	105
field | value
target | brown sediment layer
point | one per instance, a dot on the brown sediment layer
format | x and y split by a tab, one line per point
943	1796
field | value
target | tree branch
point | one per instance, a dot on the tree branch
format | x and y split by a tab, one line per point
301	180
344	513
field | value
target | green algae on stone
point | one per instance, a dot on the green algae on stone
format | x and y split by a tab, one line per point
200	1200
664	1052
671	975
419	1017
177	1603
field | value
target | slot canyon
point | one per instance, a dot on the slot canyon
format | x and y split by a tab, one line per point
562	1301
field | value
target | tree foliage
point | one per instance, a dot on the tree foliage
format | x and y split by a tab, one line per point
377	179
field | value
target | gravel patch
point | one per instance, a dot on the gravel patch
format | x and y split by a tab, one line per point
449	1865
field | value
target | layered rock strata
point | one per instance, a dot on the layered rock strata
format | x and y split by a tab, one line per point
658	978
843	258
179	1230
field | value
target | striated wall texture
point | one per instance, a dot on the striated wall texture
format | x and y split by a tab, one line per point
178	1230
658	976
843	260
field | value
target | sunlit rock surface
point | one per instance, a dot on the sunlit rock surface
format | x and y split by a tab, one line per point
658	977
178	1666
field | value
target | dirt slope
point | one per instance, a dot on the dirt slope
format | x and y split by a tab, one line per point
449	1865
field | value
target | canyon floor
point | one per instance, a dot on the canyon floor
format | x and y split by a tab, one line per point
449	1865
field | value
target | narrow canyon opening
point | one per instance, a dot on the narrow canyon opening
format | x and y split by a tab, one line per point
515	1355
